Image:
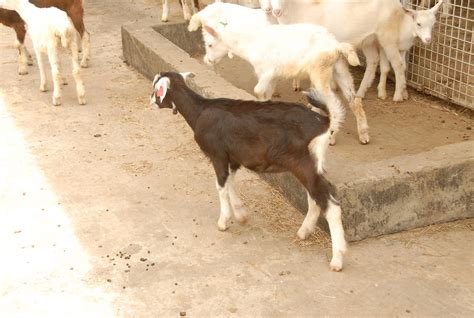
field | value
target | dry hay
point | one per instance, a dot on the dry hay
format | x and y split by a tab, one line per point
141	167
282	217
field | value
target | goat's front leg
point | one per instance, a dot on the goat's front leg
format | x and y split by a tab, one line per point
309	223
371	54
166	10
56	73
240	213
186	11
395	58
265	86
22	58
222	173
41	65
404	59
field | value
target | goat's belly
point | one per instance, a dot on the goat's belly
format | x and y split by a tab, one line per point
264	168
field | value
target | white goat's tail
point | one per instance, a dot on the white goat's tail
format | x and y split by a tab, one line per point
65	36
331	105
350	53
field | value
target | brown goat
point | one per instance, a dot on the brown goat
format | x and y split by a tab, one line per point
75	11
268	137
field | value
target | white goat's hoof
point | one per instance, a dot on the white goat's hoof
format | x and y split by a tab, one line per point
405	94
85	63
81	100
30	61
22	72
64	81
43	88
222	225
164	19
336	265
364	136
332	140
382	95
303	233
57	100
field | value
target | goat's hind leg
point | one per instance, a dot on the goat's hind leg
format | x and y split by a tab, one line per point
312	216
346	83
23	56
240	213
76	73
55	72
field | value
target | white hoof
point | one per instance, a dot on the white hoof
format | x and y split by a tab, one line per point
56	100
82	99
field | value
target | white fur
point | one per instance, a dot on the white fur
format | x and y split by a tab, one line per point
226	213
312	216
363	23
254	4
317	147
186	11
49	29
240	213
339	245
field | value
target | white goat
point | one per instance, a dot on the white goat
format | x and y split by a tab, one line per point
184	5
363	24
285	51
50	28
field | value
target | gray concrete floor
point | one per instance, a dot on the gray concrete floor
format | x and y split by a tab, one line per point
109	209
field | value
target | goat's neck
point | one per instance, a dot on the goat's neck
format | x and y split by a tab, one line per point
241	43
188	103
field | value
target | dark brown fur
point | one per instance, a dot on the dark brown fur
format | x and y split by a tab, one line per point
261	136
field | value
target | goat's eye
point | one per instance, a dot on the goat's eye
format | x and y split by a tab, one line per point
209	45
418	24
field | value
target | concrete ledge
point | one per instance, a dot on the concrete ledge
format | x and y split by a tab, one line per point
377	198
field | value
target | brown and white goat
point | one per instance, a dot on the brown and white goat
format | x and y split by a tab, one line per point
265	137
75	11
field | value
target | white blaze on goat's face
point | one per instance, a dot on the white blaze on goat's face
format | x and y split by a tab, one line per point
216	49
160	88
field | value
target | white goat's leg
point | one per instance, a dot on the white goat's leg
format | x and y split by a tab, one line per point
28	55
22	58
339	245
265	86
372	60
240	213
166	10
346	84
76	73
393	55
384	69
55	72
41	65
226	213
404	59
309	223
186	11
86	49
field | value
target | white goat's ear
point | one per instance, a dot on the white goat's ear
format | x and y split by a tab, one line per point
435	9
187	75
157	76
410	12
161	88
194	23
211	31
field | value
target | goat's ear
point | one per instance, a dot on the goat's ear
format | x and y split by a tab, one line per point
410	12
194	23
211	31
187	75
161	88
157	76
435	9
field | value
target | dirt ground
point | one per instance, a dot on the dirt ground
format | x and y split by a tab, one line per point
110	210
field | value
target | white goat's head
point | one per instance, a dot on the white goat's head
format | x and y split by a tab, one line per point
216	49
424	21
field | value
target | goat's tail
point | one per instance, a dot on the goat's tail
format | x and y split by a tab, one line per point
66	36
331	105
350	53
